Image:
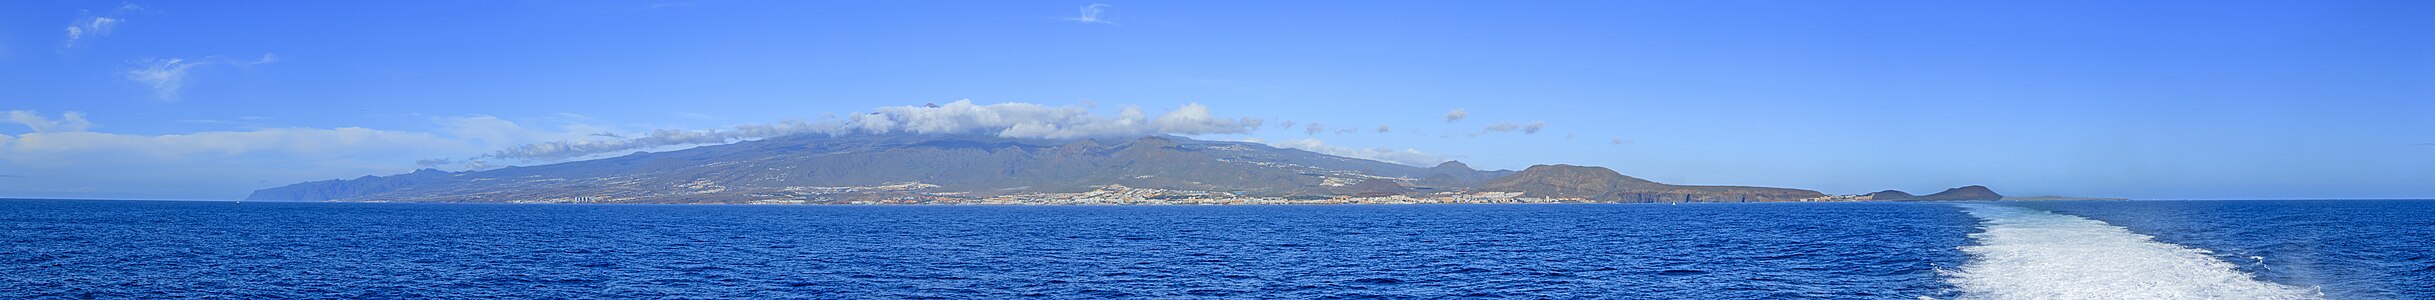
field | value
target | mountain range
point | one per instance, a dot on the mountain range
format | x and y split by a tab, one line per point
953	168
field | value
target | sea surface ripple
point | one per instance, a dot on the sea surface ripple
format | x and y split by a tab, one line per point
2010	250
155	249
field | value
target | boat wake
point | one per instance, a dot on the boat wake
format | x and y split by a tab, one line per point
2032	254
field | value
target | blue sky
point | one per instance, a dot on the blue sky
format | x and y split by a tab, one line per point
2152	99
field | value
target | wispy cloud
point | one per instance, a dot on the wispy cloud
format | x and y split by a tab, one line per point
168	76
433	163
1532	127
74	147
97	26
1090	15
1457	115
1314	128
266	59
67	122
1383	129
66	142
165	76
90	28
225	163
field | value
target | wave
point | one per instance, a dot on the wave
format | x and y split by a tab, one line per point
2033	254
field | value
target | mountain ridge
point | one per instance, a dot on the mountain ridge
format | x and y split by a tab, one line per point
911	168
1606	185
1965	193
966	164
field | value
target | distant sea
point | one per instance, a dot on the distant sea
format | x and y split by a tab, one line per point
2103	250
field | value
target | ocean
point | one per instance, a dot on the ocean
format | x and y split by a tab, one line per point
2010	250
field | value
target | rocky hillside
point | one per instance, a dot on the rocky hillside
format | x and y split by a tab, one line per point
977	166
1891	195
905	168
1953	194
1604	185
1964	193
1456	174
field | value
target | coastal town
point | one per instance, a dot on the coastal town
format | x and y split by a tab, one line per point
1116	194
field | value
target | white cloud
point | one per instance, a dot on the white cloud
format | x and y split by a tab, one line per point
90	28
67	139
1026	120
219	164
1194	119
93	27
224	164
570	149
1404	157
168	76
1090	14
1457	115
1532	127
55	147
204	165
67	122
1314	128
1011	120
266	58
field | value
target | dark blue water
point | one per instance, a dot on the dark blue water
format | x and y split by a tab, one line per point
250	250
151	249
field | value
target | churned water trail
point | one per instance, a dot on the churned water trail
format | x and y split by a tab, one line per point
2033	254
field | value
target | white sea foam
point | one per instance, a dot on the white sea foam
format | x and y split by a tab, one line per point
2033	254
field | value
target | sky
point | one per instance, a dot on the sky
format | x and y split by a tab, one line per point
2141	99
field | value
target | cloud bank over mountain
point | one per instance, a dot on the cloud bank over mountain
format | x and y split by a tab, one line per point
1409	157
61	146
1012	120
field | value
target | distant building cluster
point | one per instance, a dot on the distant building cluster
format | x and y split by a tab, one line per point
1838	198
917	193
1113	194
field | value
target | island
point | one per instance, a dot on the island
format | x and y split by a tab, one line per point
980	169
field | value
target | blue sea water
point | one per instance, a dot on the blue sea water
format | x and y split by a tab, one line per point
155	249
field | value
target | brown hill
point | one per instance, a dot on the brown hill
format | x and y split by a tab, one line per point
977	165
1603	185
1891	195
1953	194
